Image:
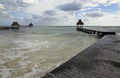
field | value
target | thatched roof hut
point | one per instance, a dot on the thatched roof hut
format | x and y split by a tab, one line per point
30	25
79	22
15	24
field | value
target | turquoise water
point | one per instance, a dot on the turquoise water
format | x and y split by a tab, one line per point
33	52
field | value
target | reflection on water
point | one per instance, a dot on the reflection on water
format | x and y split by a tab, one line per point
32	52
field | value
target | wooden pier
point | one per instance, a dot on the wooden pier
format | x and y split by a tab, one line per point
99	32
100	60
7	28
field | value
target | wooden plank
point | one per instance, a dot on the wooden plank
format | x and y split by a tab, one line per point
100	60
96	31
7	27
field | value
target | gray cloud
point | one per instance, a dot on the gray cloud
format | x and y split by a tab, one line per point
9	4
14	4
43	20
4	14
18	10
22	4
94	14
50	13
70	7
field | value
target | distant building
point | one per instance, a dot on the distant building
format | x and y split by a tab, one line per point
79	23
30	25
15	25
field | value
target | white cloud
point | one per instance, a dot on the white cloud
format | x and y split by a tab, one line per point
106	20
94	14
100	1
29	1
106	2
4	14
114	1
90	4
47	11
2	7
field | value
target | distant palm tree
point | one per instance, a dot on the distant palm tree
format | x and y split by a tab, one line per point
79	23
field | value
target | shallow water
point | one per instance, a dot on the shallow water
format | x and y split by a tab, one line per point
33	52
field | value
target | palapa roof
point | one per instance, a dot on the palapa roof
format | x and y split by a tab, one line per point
30	24
15	24
80	22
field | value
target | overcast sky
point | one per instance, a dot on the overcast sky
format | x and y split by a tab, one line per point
60	12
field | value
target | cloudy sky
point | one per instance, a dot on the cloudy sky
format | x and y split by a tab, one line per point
60	12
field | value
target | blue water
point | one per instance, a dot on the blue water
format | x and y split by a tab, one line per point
33	52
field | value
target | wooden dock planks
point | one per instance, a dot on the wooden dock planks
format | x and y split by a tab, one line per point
99	32
100	60
7	28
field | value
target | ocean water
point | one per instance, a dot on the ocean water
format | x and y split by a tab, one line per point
33	52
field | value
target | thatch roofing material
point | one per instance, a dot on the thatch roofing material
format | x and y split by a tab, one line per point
15	24
30	24
80	22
